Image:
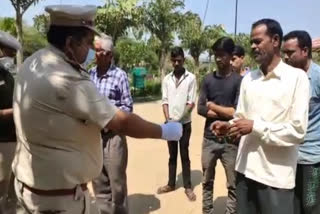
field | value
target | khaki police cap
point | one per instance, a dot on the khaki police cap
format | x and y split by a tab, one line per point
72	15
6	40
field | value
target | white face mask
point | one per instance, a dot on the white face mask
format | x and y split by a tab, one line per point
8	63
90	58
73	60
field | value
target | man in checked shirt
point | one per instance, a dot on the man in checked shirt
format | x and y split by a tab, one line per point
111	186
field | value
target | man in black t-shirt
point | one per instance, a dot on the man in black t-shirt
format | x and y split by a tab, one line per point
8	48
218	99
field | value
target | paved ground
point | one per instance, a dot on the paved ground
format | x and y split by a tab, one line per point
148	169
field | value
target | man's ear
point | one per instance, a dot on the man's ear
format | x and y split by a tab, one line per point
69	42
276	40
305	51
1	53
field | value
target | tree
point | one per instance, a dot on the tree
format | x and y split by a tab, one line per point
21	6
41	23
155	44
117	16
162	19
33	41
243	40
132	53
194	37
7	24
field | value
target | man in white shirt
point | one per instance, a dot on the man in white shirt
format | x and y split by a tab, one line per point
178	99
272	116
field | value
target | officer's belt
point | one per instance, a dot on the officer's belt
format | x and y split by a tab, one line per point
56	192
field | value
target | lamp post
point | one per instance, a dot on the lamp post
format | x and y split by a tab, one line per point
236	20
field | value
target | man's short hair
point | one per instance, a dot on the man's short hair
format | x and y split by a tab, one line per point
304	40
57	35
238	51
177	51
273	28
225	44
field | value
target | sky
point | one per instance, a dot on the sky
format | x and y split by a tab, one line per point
292	14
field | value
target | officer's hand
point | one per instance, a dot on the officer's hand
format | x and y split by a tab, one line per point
171	131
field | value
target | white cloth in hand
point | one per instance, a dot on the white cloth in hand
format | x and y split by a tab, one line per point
171	131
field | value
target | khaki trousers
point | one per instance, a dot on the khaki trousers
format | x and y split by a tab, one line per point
79	203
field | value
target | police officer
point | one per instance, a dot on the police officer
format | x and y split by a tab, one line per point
59	114
8	48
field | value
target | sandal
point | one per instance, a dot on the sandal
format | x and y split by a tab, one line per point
190	194
165	189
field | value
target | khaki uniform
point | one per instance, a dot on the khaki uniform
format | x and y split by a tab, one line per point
58	114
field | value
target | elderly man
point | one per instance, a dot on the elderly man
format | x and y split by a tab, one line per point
297	51
8	48
111	186
59	114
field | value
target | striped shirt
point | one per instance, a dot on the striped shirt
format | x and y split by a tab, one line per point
114	85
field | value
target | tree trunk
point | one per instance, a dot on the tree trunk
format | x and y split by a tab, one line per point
210	61
20	37
162	63
197	69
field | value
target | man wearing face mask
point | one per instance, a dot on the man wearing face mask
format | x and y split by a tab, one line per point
59	114
8	48
111	186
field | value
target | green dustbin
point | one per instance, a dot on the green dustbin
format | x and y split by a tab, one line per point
139	74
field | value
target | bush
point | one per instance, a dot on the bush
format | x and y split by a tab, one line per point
152	88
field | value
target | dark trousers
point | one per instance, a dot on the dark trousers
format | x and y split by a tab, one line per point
257	198
212	150
307	191
184	154
111	186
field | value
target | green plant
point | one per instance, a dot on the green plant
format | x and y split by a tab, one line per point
152	89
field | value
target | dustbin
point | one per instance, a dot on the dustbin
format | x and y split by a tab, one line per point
138	75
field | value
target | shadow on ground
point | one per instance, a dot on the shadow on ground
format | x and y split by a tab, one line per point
143	204
196	178
219	205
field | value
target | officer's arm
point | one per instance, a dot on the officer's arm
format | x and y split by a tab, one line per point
85	103
5	113
134	126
